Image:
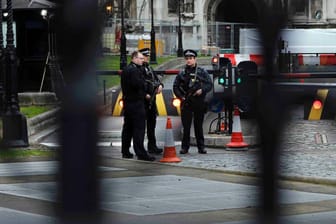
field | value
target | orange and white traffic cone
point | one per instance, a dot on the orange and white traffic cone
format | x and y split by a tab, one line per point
169	153
237	140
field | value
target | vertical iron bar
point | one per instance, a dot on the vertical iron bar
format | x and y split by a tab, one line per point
78	30
270	120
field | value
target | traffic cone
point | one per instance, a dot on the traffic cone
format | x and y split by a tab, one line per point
169	153
237	140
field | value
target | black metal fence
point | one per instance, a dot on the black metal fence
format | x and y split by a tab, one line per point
78	187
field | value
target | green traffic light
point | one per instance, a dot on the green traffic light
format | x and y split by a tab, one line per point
239	80
221	80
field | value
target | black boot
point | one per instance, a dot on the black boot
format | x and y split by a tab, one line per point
202	151
155	150
127	155
183	151
146	158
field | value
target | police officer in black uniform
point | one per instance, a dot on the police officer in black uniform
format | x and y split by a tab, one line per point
153	86
191	85
133	89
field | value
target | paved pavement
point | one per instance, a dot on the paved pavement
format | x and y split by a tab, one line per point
219	187
146	192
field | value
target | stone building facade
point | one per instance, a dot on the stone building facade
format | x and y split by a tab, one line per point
201	19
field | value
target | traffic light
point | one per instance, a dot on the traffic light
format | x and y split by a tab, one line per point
238	79
224	73
221	80
315	107
246	87
222	77
121	103
176	102
317	104
219	73
244	70
214	62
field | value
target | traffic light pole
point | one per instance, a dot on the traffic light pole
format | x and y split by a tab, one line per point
14	123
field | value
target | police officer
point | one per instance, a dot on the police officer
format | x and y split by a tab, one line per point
133	89
153	86
191	85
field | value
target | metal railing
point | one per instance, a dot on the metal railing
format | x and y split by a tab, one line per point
220	35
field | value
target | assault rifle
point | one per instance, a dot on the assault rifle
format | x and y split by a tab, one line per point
156	85
191	91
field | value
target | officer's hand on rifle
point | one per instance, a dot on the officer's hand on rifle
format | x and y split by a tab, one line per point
198	92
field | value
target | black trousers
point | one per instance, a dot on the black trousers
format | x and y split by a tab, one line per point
134	128
151	115
194	114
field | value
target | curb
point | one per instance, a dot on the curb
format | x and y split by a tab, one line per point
42	121
41	126
302	179
37	98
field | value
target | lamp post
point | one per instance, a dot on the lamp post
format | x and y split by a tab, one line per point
153	47
56	76
179	40
123	59
14	123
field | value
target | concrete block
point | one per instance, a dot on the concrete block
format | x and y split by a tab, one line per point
37	98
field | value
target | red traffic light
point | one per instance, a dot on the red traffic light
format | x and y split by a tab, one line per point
317	104
214	60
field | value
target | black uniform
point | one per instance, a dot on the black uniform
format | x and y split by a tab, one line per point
186	83
133	88
152	83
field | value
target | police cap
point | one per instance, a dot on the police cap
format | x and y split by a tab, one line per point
190	53
145	51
